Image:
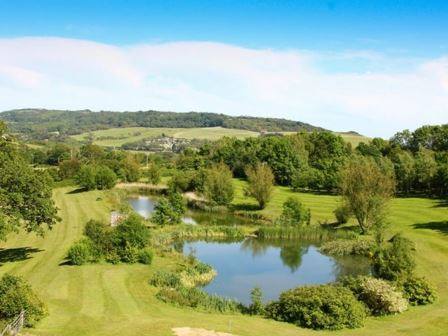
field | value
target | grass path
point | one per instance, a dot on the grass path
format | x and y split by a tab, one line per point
116	300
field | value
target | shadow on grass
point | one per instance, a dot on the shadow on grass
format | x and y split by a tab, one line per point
17	254
441	227
443	203
76	191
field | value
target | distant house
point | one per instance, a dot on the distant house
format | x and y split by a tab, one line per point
115	218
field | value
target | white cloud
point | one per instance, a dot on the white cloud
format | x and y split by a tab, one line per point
205	76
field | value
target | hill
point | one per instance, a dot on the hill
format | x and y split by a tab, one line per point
40	123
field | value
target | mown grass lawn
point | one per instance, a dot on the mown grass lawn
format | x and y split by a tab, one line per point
117	300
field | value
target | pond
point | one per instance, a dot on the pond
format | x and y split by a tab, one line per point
273	266
144	206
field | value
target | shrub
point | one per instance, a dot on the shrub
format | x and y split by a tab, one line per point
378	295
145	256
129	254
86	177
17	295
169	210
418	291
131	232
182	181
218	186
256	307
105	178
198	274
153	174
294	213
318	307
342	214
165	279
395	261
344	247
81	252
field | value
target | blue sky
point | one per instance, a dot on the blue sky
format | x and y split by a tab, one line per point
338	64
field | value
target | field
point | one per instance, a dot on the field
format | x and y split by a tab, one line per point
117	300
118	136
115	137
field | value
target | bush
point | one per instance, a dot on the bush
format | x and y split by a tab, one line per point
418	291
165	279
395	261
131	232
153	174
17	295
218	186
129	254
182	181
81	252
344	247
145	256
105	178
342	214
294	213
318	307
256	307
169	210
378	295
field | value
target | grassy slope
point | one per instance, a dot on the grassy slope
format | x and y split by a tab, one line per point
130	134
116	300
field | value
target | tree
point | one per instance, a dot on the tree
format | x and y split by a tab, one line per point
425	168
58	153
130	170
260	183
153	174
218	185
294	213
25	193
365	189
404	171
86	177
169	210
69	168
105	178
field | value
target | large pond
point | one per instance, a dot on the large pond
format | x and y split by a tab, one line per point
273	266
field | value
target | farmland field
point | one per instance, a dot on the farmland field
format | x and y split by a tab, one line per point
106	299
119	136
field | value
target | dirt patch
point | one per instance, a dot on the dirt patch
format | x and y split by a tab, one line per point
187	331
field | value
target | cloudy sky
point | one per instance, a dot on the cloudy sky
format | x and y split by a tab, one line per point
371	66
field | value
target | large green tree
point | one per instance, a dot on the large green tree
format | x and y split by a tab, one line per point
260	183
366	189
25	193
218	185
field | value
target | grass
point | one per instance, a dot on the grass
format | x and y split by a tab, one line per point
118	136
105	299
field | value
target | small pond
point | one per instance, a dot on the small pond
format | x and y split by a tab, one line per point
273	266
144	206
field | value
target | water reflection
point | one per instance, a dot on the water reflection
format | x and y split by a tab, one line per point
273	265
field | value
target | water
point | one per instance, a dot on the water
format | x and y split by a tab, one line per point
274	267
144	206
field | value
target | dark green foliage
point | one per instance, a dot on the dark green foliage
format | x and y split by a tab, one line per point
131	233
125	243
342	214
218	185
17	295
129	170
318	307
92	177
69	168
395	261
105	178
37	123
25	195
145	256
418	291
294	213
182	181
57	154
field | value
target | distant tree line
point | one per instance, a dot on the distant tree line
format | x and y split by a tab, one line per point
44	124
